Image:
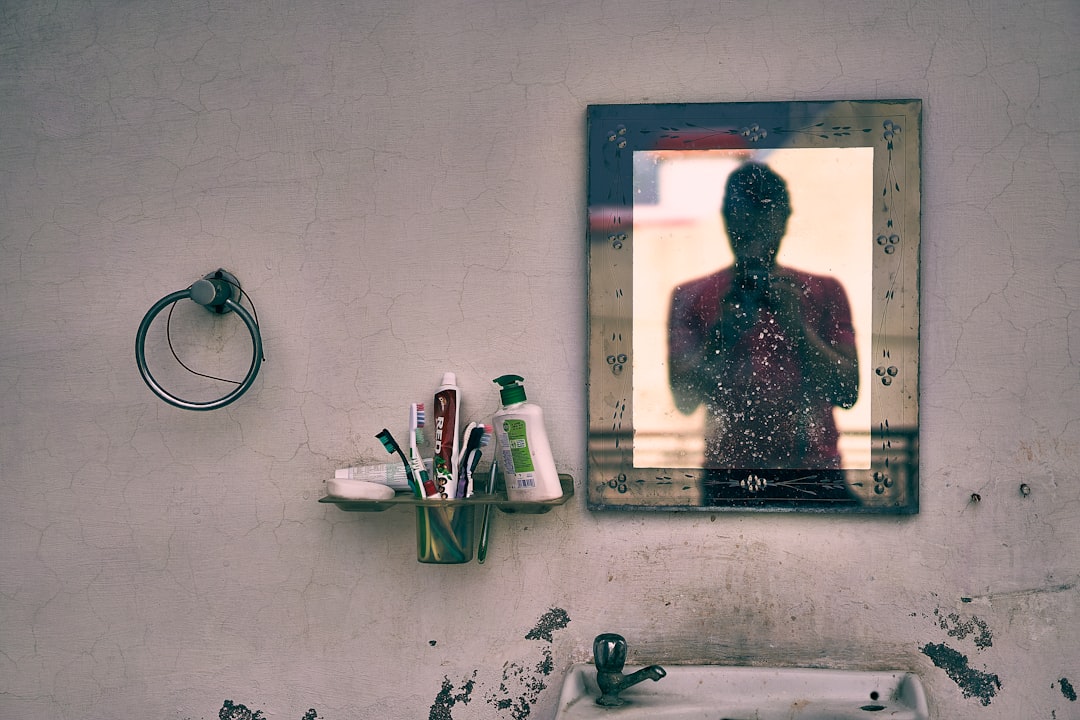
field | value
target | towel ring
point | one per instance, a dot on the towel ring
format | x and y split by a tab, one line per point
216	292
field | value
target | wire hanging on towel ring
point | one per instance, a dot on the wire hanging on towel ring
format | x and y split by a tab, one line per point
215	291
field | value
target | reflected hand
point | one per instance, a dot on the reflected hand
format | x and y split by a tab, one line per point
738	313
784	299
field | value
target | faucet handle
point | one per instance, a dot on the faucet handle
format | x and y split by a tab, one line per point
609	652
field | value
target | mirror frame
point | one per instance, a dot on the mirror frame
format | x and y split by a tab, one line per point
893	129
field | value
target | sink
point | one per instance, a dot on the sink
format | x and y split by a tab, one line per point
720	692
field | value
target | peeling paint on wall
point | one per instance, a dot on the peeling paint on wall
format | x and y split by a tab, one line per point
521	685
553	619
961	629
972	682
447	698
521	682
529	683
232	711
229	711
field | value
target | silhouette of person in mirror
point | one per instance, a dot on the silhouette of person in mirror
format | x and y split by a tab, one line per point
767	349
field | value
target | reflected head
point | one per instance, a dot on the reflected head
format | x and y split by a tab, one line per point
754	187
756	209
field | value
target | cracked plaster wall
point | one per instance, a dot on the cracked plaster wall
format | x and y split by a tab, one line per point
399	186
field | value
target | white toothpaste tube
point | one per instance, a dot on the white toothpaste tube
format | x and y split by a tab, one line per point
390	474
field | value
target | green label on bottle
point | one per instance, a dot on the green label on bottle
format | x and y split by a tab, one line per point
518	445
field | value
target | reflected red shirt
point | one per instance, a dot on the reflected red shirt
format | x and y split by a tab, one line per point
761	412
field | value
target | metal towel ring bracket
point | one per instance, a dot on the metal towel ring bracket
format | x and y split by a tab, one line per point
218	292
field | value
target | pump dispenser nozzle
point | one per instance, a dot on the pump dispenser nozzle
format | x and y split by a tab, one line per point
511	389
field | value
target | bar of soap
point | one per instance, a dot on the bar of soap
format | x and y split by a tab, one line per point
358	490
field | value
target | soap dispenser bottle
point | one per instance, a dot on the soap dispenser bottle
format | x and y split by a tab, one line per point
528	467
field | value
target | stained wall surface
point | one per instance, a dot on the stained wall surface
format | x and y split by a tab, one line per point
399	186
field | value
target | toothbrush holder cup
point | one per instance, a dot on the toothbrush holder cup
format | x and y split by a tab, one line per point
445	535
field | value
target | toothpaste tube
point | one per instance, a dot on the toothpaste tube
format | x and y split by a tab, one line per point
390	474
447	449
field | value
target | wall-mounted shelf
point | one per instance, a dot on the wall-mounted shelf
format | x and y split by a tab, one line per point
498	499
445	529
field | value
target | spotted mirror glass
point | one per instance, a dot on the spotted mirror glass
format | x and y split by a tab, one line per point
753	289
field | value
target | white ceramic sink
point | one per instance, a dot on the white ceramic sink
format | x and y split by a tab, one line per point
719	692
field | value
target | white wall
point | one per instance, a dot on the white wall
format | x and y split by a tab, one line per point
399	186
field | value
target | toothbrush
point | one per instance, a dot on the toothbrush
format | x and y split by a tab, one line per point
482	548
417	418
466	448
476	436
391	446
438	521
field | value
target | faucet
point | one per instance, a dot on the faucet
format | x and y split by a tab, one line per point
609	654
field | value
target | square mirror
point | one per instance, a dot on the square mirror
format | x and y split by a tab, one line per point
753	290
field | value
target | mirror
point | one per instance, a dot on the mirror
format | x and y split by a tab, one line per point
754	306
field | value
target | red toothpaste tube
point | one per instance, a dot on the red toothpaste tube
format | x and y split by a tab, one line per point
447	448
